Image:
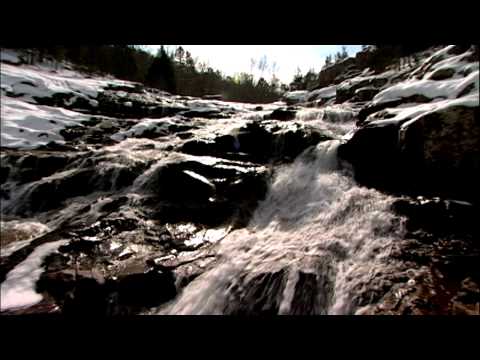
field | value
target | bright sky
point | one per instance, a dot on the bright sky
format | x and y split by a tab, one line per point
231	59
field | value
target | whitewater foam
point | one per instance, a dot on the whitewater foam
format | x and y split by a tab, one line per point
314	222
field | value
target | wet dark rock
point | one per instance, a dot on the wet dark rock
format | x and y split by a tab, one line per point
262	295
55	146
185	135
442	74
56	262
332	74
86	292
72	101
50	193
191	191
213	97
207	194
438	216
4	172
134	88
174	183
258	143
207	113
347	90
281	114
365	94
133	105
34	165
467	300
437	154
72	133
114	204
373	152
372	108
143	290
78	246
76	294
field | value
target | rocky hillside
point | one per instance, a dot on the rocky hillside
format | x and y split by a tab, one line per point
115	197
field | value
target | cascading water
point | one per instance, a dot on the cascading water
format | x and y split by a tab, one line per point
313	242
314	239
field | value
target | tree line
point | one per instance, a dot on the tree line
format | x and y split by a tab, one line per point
175	71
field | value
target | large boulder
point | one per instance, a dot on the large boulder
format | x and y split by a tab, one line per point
438	152
187	190
444	148
281	114
365	94
263	293
330	74
347	89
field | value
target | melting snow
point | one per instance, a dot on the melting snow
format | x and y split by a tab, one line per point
27	125
431	89
159	126
323	93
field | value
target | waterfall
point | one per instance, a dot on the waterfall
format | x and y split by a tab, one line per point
315	238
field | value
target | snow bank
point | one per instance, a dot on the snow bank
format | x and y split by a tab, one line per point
455	63
18	290
28	126
29	82
447	89
406	115
323	93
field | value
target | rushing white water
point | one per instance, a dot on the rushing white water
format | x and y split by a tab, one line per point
18	289
16	234
315	220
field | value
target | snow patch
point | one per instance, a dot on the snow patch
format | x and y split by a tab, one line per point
30	81
323	93
431	89
28	126
407	115
157	126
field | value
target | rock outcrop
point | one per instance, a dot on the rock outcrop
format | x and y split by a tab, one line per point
422	136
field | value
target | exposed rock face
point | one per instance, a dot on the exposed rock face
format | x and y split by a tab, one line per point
438	256
329	75
436	153
259	143
409	142
445	146
281	114
212	195
311	293
347	89
365	94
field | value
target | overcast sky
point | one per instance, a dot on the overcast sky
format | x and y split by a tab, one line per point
231	59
